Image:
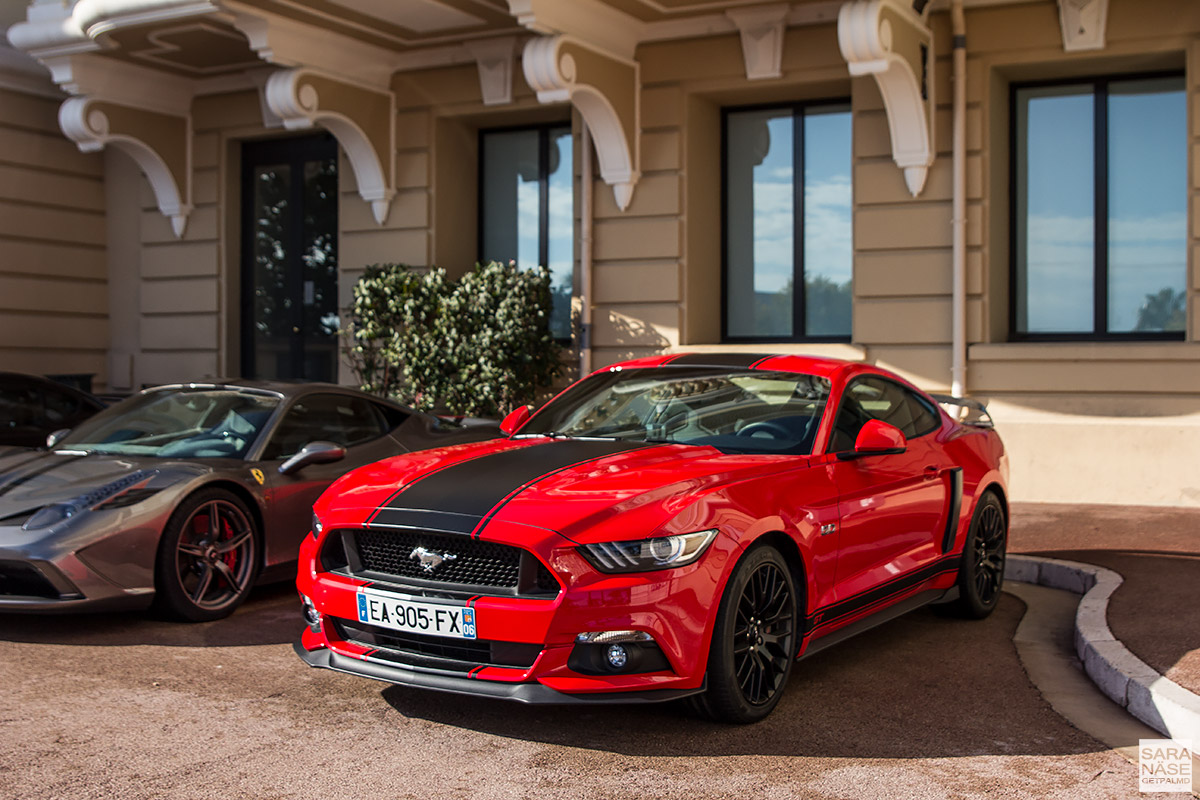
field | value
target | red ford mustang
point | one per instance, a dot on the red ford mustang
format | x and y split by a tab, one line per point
676	526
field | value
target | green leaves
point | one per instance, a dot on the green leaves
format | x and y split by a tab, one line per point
477	346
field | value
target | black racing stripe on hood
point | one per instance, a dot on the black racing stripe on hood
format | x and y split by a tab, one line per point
743	360
470	492
53	464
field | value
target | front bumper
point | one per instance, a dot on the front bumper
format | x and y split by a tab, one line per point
675	607
46	574
530	693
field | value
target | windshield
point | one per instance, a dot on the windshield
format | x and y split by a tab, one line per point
741	411
176	423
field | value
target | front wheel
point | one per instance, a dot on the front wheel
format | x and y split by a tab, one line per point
754	641
207	558
982	572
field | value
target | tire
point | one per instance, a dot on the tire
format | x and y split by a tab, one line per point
757	616
202	575
981	575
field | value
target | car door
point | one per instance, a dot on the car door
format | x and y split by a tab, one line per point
355	423
892	507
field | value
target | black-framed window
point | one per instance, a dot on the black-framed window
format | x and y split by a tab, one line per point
527	207
788	209
289	303
1099	208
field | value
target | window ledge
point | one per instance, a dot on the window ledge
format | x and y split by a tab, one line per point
1085	351
842	350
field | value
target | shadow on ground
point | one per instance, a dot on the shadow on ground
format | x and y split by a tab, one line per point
921	686
271	615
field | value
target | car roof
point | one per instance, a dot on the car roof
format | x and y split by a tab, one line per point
286	389
773	362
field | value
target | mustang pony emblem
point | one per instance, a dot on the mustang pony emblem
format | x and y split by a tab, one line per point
429	559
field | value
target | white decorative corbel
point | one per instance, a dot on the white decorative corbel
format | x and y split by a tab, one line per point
161	144
1083	24
605	89
762	30
495	58
362	119
888	41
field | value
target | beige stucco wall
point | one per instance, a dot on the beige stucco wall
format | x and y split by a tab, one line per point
1093	422
53	272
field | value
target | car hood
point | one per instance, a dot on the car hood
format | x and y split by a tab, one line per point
585	490
32	479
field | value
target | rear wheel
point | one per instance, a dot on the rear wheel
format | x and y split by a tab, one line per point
207	558
981	575
754	641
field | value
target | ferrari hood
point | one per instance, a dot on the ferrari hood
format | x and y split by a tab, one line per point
32	479
586	490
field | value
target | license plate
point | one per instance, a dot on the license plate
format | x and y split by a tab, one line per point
415	616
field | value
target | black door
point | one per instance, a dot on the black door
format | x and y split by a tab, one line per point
289	258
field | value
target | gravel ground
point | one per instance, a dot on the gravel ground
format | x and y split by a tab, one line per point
120	706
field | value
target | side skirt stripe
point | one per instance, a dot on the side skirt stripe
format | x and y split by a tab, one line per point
835	612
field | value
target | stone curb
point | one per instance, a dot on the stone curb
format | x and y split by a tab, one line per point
1127	680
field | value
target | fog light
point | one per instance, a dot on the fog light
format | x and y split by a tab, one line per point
311	615
617	656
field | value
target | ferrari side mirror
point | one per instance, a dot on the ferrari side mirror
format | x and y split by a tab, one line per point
313	453
515	419
876	438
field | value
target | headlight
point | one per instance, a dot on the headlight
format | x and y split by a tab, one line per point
317	527
644	555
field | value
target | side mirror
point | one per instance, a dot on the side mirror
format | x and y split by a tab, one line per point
313	453
876	438
515	419
56	437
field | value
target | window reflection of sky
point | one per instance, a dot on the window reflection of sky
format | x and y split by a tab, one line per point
1147	201
762	221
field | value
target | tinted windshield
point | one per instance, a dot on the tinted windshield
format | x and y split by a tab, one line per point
177	423
735	411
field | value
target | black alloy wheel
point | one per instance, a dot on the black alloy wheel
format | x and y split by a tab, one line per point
208	557
754	641
981	576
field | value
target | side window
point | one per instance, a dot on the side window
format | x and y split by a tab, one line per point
875	398
60	407
328	418
19	406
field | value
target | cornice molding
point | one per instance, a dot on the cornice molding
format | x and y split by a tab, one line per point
606	90
290	43
600	25
888	41
362	119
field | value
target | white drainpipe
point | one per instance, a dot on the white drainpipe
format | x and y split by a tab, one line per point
585	252
958	370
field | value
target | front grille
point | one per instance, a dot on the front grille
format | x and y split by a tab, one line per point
434	652
18	579
468	564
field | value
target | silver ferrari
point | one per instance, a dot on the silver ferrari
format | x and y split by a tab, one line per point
185	496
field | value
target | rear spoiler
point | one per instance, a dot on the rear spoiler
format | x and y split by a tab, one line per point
965	411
